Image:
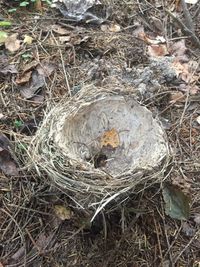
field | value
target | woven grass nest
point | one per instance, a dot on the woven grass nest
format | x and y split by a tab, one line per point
100	144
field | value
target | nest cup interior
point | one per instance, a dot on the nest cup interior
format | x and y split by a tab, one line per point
114	135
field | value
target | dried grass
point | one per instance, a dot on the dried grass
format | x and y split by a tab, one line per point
87	185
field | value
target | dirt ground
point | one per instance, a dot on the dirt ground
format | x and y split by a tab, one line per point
136	231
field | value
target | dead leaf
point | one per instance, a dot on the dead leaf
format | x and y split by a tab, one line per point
176	97
11	68
194	89
77	40
115	28
60	30
197	219
182	71
12	43
139	31
157	50
178	49
43	241
158	40
64	39
30	89
198	120
63	212
157	23
178	181
38	99
111	28
18	254
45	68
24	78
110	138
38	5
191	1
30	66
28	39
188	230
7	164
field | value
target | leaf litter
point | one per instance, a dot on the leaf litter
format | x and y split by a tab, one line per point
33	77
12	43
7	164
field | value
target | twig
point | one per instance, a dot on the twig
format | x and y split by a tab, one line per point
63	65
187	246
194	38
187	96
158	240
188	18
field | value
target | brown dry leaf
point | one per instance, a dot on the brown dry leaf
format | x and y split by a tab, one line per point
7	164
194	89
110	138
182	71
115	28
178	181
45	68
37	99
157	50
12	43
139	32
38	5
24	78
63	212
158	40
111	28
64	39
77	40
31	65
43	241
157	23
18	254
177	97
60	30
178	49
30	89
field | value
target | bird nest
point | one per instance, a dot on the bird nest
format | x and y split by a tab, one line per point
100	144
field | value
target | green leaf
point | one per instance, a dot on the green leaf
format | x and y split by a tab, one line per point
5	23
12	10
22	146
3	37
18	124
176	203
24	3
26	55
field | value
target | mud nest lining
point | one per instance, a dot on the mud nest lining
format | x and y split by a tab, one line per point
100	144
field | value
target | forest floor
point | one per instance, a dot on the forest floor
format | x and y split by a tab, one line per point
45	56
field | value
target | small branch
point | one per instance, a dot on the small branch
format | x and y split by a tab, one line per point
188	18
194	38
